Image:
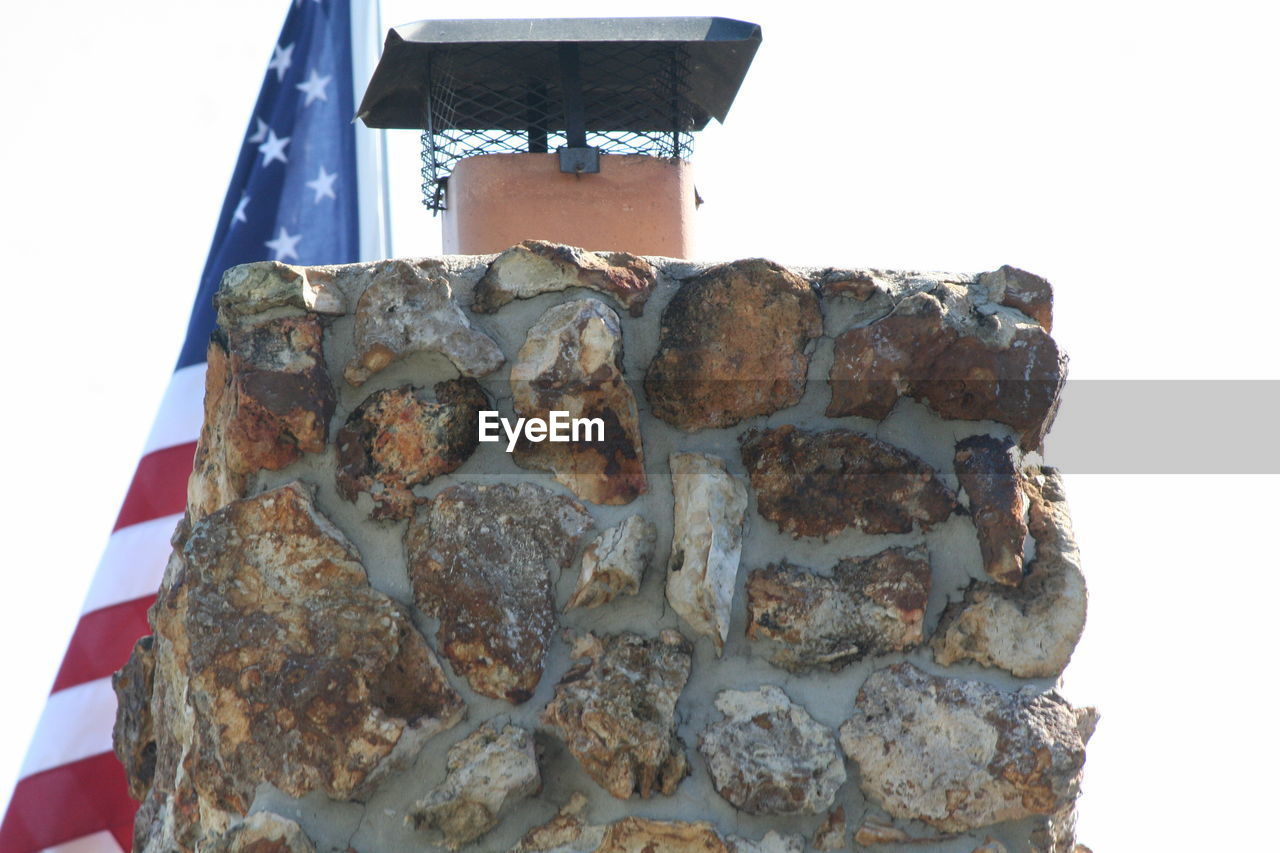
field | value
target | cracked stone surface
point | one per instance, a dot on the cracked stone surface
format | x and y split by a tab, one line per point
960	755
567	832
408	308
1029	293
706	546
264	832
639	835
769	757
133	734
268	400
394	441
616	711
820	483
615	562
536	266
988	472
733	345
571	361
480	559
830	835
966	358
250	289
1030	630
275	662
487	772
867	606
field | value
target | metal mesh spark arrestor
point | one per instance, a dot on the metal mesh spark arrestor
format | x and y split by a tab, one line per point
576	87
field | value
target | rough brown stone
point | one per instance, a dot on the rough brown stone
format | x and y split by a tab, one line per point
855	284
536	266
820	483
1030	630
394	441
733	345
710	507
276	662
988	473
616	711
769	757
960	755
487	772
133	734
479	558
1027	292
409	308
963	359
638	835
868	606
830	835
615	562
268	400
571	362
264	832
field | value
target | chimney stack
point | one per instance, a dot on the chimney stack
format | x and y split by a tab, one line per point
574	131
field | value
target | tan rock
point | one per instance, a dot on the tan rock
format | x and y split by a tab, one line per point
250	289
1030	630
860	285
770	842
733	346
268	400
638	835
710	508
480	560
133	734
1029	293
409	308
820	483
868	606
567	832
615	562
394	441
988	472
875	830
960	755
830	835
487	772
264	832
276	662
535	267
769	757
571	362
616	711
954	349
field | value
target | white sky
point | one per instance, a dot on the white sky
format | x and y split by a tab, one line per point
1128	151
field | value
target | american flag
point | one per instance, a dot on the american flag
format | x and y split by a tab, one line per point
308	188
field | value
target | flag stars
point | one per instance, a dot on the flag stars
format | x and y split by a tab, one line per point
285	245
261	133
314	88
239	216
281	59
273	148
323	185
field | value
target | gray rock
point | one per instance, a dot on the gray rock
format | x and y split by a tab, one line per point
710	508
960	755
486	772
615	562
768	756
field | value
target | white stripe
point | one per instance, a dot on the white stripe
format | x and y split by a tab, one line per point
132	564
99	842
372	198
76	724
181	411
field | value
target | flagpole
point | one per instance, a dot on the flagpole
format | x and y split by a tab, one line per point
374	202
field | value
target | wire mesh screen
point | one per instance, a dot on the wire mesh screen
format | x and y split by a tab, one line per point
494	105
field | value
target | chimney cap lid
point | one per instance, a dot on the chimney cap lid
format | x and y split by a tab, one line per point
719	51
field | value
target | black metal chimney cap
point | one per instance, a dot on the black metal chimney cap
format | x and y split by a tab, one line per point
717	51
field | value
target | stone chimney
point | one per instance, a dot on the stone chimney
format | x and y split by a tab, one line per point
562	550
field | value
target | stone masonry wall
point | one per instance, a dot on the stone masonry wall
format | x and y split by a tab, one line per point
810	589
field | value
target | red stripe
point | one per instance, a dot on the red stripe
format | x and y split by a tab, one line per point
102	642
67	802
159	486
